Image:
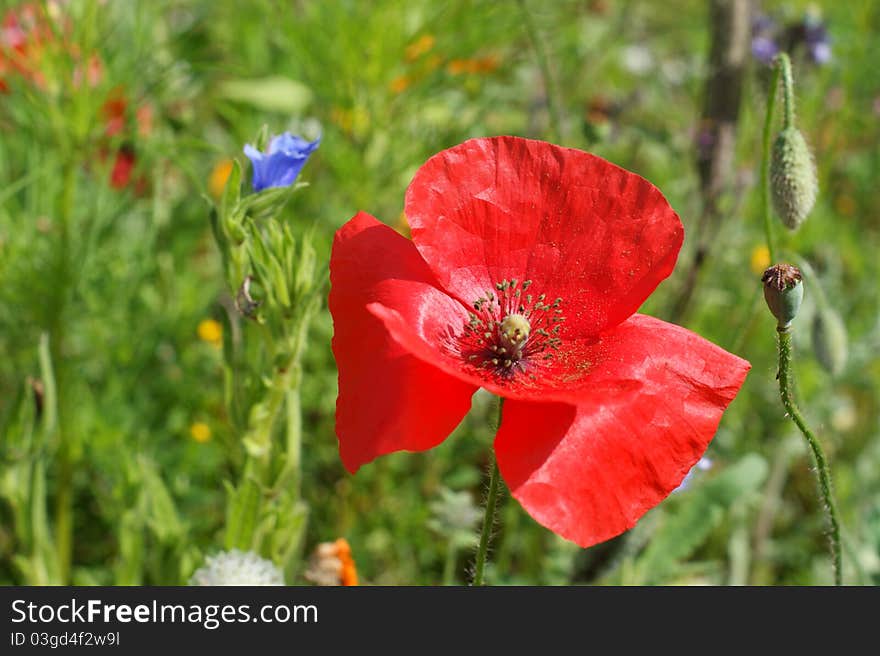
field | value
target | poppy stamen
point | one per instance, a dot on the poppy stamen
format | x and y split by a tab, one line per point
509	327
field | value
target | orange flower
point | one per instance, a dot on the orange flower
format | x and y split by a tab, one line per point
332	564
419	47
218	178
458	66
400	83
348	575
482	65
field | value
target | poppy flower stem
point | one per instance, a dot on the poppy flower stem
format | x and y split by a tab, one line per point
783	68
786	384
489	516
765	164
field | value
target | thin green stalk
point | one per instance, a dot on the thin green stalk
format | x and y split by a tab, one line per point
293	462
489	516
64	493
786	384
765	165
544	67
783	65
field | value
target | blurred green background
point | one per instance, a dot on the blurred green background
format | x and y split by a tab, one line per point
122	264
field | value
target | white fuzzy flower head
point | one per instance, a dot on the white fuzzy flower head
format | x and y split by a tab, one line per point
237	568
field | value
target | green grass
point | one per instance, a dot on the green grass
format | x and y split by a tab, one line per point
120	279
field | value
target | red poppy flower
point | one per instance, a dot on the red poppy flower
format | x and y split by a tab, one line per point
526	265
123	165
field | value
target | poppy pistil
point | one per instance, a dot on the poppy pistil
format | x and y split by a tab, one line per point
509	328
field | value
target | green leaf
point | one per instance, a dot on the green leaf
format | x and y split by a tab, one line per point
231	193
128	569
272	94
163	519
241	517
286	540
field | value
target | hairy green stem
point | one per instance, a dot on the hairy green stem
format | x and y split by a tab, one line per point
783	65
489	516
765	165
786	384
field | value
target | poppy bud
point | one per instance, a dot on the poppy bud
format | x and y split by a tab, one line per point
829	340
783	291
792	178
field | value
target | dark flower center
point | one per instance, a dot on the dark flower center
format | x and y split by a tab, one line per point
511	330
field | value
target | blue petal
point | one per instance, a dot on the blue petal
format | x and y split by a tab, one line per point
291	144
280	165
282	169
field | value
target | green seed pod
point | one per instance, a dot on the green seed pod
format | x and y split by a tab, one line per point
830	340
792	178
783	291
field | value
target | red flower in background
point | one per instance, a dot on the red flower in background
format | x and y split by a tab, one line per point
115	112
26	34
526	265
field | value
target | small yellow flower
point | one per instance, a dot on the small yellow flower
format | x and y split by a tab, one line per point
219	176
210	331
200	432
760	259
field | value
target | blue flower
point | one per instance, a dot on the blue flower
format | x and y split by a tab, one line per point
764	46
817	41
280	165
764	49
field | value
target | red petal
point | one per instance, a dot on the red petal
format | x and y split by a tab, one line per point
388	399
432	331
588	471
581	228
122	168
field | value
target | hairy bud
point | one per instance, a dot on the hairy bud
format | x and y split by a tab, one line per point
792	178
